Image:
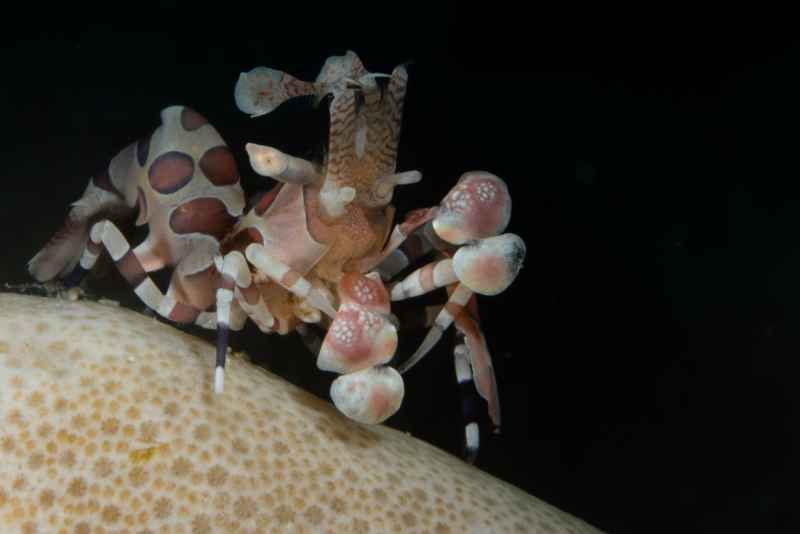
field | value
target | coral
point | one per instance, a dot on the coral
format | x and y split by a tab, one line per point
109	425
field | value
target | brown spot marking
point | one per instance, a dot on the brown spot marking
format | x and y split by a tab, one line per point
44	430
217	476
181	467
201	524
143	149
162	508
132	413
240	446
110	426
222	500
78	421
350	475
110	514
201	215
360	526
192	120
172	409
103	467
36	460
47	498
420	494
244	508
67	458
409	520
338	505
138	476
35	399
315	515
148	431
202	432
60	404
280	447
82	528
284	514
170	172
219	166
77	487
7	443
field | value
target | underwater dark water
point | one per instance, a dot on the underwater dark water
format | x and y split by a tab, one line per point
646	353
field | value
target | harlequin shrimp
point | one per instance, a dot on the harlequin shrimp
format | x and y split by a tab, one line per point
318	248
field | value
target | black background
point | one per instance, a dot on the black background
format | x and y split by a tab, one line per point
646	353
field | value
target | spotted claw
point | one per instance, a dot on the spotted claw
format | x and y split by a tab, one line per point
361	334
478	206
369	396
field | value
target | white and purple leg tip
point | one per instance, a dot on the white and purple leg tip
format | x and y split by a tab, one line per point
219	380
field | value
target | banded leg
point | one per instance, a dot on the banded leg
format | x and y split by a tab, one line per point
471	336
288	278
425	279
418	245
473	368
186	297
487	267
467	392
133	264
250	299
455	304
234	272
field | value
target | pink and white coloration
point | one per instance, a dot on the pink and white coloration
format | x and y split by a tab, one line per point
369	396
478	206
360	336
312	251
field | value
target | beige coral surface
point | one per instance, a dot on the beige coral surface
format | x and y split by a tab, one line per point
109	425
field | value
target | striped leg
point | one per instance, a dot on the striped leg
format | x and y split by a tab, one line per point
464	362
234	272
133	264
88	258
458	299
480	360
466	390
405	253
425	279
288	278
251	301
